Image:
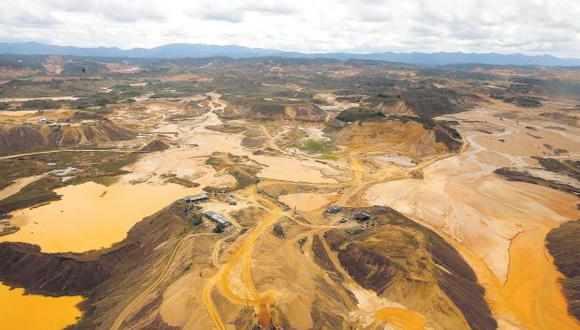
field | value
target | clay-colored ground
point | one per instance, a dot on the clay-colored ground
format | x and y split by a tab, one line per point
305	202
500	226
251	275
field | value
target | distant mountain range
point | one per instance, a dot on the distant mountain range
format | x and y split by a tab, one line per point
181	50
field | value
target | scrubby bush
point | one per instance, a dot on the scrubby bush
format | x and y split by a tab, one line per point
359	114
196	219
314	146
40	104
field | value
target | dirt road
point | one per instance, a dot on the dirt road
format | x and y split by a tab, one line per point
498	226
141	299
252	296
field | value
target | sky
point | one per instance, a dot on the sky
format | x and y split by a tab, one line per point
504	26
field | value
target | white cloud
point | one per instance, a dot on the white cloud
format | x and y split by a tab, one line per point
505	26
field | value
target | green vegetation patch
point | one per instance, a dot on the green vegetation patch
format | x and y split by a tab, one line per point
524	101
101	100
432	102
359	114
253	139
316	146
295	135
299	139
40	191
13	169
553	87
108	171
564	245
100	167
567	167
43	104
53	88
172	178
278	231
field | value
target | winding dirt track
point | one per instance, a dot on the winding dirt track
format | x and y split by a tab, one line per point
217	247
531	296
253	297
357	168
531	313
270	139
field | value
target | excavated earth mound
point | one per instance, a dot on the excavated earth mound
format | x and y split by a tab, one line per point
25	138
54	274
411	265
155	145
290	111
390	255
262	110
405	135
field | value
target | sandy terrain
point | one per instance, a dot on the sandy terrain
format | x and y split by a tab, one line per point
306	202
501	223
292	169
497	225
142	192
20	113
335	104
